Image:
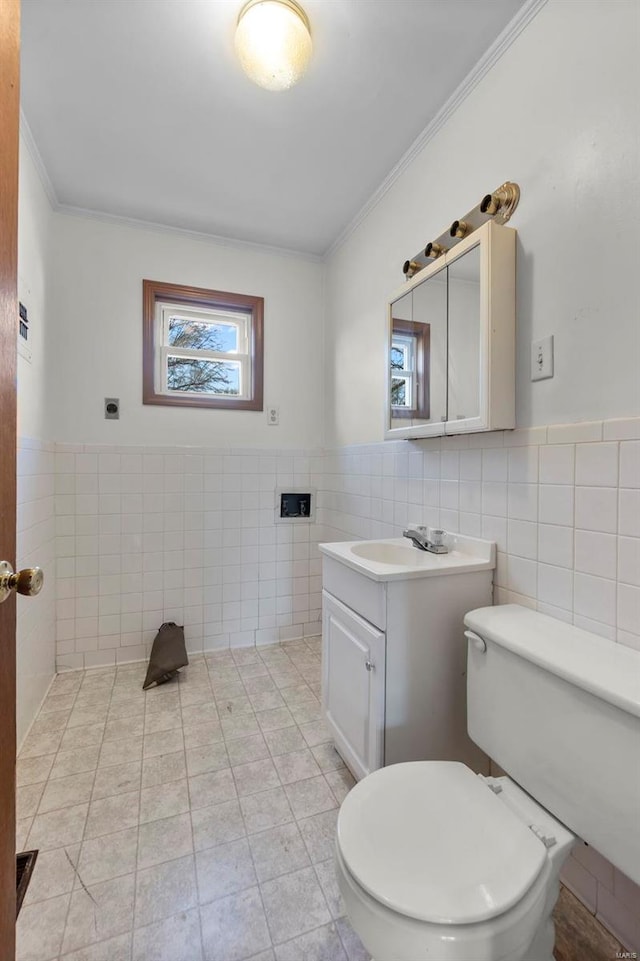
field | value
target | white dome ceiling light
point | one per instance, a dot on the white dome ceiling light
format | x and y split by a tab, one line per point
273	42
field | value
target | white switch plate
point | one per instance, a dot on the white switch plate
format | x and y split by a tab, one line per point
273	416
542	358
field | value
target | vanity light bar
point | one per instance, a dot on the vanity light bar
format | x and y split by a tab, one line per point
497	206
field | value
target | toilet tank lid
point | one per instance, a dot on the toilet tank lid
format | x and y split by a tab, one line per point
606	669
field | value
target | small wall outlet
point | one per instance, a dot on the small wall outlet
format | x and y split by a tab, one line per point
273	416
542	358
112	408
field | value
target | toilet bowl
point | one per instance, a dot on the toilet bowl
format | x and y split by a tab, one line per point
436	862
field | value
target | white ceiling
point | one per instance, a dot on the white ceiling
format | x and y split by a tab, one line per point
139	109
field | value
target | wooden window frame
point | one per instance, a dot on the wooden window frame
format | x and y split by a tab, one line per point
422	334
154	292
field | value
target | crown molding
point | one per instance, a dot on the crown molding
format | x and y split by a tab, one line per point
38	162
500	45
68	210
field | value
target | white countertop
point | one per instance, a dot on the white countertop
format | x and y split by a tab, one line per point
397	559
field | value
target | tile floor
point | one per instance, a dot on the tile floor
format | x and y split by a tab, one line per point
193	822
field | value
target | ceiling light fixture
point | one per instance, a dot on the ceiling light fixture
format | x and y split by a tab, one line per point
273	42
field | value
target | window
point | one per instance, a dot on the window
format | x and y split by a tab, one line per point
409	369
201	348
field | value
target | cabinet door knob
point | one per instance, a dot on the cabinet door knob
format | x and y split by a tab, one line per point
369	666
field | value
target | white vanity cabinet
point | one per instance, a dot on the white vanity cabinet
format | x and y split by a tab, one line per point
394	654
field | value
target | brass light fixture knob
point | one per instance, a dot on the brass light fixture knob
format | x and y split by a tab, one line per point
459	229
411	267
28	581
434	249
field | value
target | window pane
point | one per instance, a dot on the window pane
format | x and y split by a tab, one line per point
398	355
203	376
400	392
194	335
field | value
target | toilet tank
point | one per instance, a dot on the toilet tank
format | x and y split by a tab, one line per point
558	709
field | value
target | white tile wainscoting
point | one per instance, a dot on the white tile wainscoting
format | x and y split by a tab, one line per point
146	535
36	616
563	505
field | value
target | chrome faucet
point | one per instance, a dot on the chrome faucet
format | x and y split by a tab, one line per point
421	539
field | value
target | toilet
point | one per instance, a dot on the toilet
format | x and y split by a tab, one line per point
437	862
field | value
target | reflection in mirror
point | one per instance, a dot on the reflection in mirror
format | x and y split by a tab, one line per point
464	336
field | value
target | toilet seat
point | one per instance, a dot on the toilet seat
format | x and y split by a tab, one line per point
432	842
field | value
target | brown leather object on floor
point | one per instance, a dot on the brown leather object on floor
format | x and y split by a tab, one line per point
579	936
168	655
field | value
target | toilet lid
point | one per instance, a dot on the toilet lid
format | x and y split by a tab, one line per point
430	840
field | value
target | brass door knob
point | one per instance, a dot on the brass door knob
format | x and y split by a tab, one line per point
28	581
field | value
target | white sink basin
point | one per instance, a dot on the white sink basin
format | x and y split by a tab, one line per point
397	558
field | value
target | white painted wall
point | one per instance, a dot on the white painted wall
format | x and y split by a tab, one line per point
558	113
98	270
34	232
35	629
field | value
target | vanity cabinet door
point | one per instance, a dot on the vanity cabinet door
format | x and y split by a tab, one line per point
353	683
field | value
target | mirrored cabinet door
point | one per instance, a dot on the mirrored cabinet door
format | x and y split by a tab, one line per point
464	336
418	355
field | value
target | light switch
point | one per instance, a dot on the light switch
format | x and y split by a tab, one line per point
542	358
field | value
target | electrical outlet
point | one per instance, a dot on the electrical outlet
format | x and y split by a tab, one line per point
542	358
273	416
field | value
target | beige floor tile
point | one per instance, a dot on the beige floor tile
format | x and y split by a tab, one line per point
164	742
278	851
120	752
78	737
102	860
162	721
267	701
165	890
316	732
257	685
175	939
200	734
327	757
326	874
234	706
211	788
81	715
310	797
27	799
66	791
323	944
234	928
32	770
58	828
114	949
239	727
284	741
58	702
224	869
216	824
40	928
340	782
319	834
293	904
296	766
275	719
100	912
124	727
164	800
255	776
54	873
208	757
164	840
75	762
351	942
163	768
112	813
266	810
37	745
244	749
203	713
53	721
117	779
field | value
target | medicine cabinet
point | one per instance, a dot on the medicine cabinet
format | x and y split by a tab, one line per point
450	359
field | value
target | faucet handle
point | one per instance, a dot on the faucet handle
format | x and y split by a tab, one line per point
436	536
